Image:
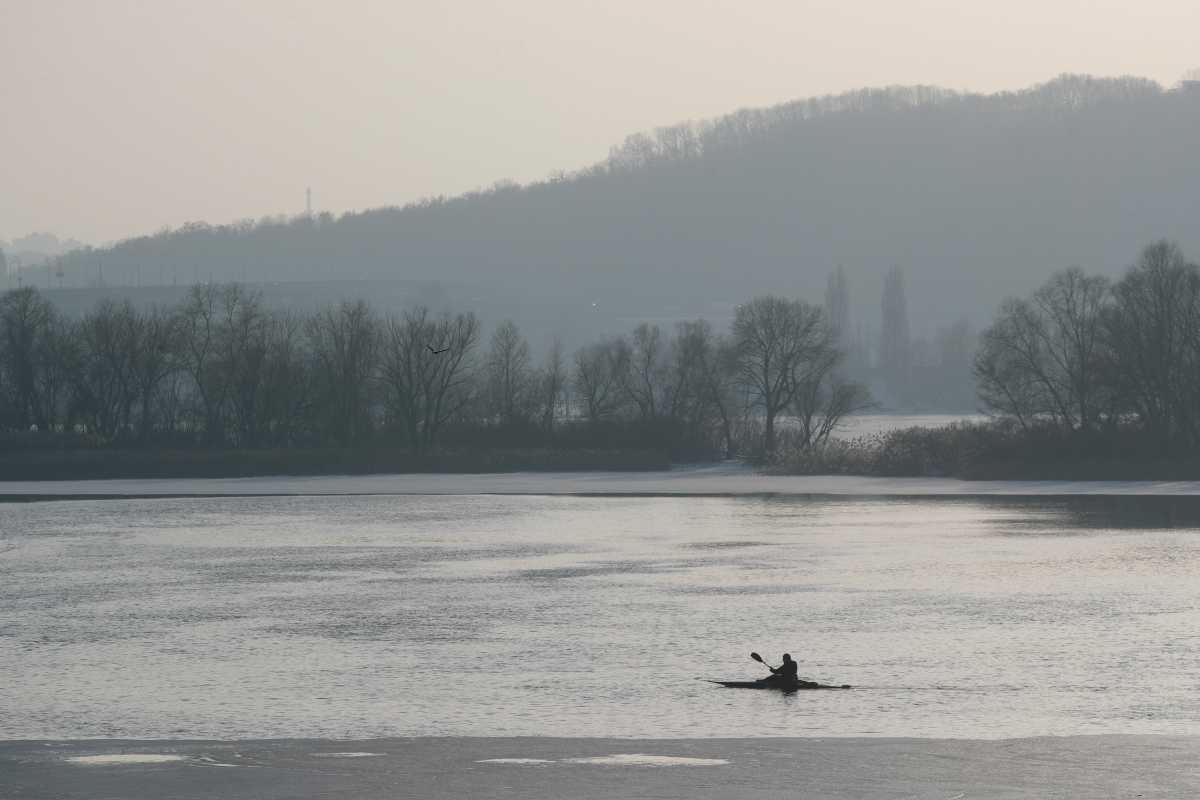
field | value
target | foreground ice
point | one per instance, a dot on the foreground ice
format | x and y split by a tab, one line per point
645	760
616	760
719	479
125	758
449	767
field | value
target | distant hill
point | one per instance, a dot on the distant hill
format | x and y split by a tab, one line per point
35	248
974	196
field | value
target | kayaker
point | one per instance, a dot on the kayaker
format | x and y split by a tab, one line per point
787	672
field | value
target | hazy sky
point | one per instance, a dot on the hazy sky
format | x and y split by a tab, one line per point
121	117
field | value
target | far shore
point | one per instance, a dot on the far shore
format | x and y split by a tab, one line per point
714	480
536	768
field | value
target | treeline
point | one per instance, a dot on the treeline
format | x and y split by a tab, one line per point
1091	357
222	370
1085	378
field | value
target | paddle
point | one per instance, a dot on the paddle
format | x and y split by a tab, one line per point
759	659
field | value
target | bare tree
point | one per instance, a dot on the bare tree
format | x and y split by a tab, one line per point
426	371
601	374
106	386
1154	334
243	352
508	375
647	379
285	396
199	353
1043	357
154	344
1073	304
776	341
61	359
551	386
824	398
27	320
344	344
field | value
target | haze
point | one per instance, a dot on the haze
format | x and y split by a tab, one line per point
124	117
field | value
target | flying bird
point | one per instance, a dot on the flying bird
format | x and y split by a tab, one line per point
435	352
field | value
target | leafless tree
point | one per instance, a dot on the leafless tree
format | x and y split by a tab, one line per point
61	359
27	321
1043	357
777	341
647	381
344	345
508	376
1154	334
154	342
1009	365
550	385
199	355
601	375
425	389
243	331
824	398
284	400
107	386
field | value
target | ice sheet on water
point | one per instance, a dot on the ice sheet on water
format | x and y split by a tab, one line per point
346	755
617	760
646	760
124	758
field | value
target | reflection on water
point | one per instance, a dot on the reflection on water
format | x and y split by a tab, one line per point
486	615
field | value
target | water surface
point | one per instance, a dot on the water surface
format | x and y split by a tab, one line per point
570	616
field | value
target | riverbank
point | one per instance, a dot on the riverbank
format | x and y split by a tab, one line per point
535	768
714	480
103	464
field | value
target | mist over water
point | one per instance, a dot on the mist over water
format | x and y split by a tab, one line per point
569	616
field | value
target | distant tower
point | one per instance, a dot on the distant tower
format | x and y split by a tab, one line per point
308	202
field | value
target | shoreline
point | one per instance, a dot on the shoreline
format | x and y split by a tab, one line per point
1112	766
722	480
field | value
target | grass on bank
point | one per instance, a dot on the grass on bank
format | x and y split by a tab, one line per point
85	464
996	450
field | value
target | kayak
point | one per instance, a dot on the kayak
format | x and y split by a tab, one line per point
783	687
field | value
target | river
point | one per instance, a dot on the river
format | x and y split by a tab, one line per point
366	616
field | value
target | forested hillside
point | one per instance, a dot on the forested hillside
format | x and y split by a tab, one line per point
974	197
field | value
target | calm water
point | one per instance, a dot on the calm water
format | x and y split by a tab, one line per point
376	616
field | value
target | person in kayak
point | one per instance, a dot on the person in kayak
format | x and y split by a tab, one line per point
787	672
